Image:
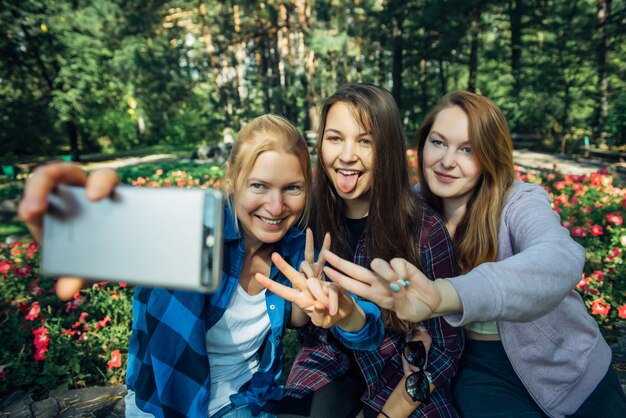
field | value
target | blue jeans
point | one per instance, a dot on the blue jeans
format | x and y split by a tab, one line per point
243	411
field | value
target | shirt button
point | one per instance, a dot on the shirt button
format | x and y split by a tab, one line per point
272	306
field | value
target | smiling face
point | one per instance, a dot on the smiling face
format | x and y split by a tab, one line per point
450	167
272	198
347	154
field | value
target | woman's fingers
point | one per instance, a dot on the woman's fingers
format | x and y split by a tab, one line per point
319	295
309	247
67	287
39	185
333	299
306	269
101	183
350	269
297	279
348	283
283	291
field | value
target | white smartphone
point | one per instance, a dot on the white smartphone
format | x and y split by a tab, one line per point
168	237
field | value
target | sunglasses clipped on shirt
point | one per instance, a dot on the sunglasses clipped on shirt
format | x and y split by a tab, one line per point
417	384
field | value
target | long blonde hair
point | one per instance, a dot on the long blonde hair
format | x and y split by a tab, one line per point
267	133
476	237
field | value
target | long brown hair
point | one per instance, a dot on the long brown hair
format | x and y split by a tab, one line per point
476	237
267	133
394	216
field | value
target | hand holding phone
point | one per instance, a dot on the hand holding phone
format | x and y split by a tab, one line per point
151	237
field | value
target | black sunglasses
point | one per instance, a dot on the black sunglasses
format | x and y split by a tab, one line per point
417	385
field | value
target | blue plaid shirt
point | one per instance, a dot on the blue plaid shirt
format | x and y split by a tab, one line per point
168	365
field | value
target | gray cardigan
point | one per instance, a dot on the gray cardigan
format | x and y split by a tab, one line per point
554	345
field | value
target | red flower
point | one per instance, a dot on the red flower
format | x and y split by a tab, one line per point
621	311
33	313
614	218
583	284
81	319
41	341
40	353
23	271
615	252
116	360
102	323
32	247
579	231
599	275
5	266
598	307
68	332
596	230
122	285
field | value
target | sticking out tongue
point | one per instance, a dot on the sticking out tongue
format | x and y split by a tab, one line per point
347	183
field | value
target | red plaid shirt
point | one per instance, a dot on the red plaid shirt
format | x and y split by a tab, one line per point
321	361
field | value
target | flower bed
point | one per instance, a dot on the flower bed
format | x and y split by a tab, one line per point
592	207
47	343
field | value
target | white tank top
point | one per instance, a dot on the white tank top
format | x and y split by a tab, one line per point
233	344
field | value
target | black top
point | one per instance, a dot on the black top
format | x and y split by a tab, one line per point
355	231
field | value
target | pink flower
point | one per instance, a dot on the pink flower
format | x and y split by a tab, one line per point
579	231
5	266
122	285
74	303
596	230
615	218
598	307
34	288
159	172
23	271
33	313
116	360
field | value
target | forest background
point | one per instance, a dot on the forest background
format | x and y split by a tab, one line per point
84	76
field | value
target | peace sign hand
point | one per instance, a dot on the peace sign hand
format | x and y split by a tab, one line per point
325	303
314	268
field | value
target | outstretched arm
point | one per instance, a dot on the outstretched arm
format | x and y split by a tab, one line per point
386	283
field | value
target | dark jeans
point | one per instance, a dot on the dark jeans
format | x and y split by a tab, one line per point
338	399
487	386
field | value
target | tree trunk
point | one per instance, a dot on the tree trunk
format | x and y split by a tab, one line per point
602	87
473	59
72	132
396	68
515	16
